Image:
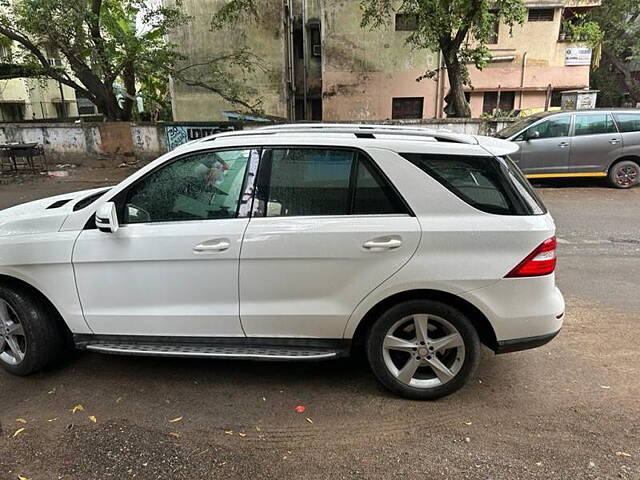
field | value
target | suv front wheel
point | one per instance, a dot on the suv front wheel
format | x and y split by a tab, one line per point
423	349
30	337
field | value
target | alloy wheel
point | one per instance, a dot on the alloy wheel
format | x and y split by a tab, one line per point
423	351
626	175
13	342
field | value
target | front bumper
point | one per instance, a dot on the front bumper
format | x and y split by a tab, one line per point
517	344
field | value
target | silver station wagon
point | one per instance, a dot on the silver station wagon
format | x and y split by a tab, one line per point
586	143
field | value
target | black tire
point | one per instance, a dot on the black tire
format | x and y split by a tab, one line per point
45	340
624	174
399	313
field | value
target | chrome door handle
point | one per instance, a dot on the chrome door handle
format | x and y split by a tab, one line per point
212	246
389	244
563	144
613	141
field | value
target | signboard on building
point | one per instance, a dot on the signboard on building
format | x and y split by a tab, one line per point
577	56
179	134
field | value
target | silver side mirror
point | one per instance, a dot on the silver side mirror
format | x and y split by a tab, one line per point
107	218
533	135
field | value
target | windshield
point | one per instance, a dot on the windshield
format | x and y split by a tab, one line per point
517	126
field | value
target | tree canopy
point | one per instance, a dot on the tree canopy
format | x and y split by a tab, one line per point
108	48
619	20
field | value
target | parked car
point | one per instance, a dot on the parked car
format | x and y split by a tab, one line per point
585	143
291	243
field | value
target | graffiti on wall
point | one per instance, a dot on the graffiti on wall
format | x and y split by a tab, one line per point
179	134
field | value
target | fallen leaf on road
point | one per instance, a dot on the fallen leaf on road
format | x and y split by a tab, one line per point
175	420
309	420
539	464
118	400
21	420
93	419
622	454
258	429
18	432
175	434
605	386
52	391
20	477
228	432
242	434
52	419
300	408
77	408
467	423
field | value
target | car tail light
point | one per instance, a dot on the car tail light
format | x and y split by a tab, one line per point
542	261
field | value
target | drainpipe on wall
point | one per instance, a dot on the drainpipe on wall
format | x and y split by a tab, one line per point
436	111
305	56
524	67
291	87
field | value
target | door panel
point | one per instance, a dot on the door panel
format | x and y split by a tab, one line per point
304	276
327	228
150	279
549	152
171	269
595	144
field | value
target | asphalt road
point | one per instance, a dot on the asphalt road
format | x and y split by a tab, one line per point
568	410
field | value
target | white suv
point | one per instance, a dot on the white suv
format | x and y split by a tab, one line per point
296	242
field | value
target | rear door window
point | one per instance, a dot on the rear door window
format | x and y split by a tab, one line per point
628	122
493	185
320	182
593	124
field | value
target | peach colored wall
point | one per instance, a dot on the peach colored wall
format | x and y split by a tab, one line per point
368	95
535	76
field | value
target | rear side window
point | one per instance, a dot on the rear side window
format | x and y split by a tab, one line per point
594	124
628	122
317	182
493	185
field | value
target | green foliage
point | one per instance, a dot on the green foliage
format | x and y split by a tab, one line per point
619	21
110	46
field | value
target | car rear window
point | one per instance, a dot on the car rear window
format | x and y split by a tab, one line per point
628	122
491	184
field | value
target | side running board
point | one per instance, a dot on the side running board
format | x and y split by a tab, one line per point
241	350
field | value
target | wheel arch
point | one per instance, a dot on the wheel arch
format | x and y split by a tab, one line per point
17	283
632	158
478	319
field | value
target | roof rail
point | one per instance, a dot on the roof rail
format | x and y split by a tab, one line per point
359	130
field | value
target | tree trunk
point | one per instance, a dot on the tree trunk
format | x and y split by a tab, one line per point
129	78
632	85
456	103
107	103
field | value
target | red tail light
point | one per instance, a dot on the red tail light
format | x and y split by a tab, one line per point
542	261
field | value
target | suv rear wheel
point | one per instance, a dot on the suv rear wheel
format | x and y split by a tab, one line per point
30	338
423	349
624	174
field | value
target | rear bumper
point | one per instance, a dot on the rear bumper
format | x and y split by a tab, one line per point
517	344
523	312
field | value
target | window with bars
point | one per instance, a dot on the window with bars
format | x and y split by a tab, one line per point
541	14
407	107
495	28
406	22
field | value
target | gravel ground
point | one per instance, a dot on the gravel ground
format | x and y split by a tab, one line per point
568	410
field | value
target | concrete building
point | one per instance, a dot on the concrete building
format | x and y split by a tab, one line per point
317	63
35	99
